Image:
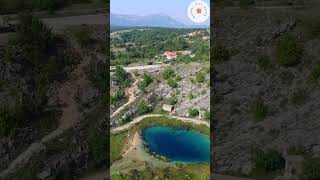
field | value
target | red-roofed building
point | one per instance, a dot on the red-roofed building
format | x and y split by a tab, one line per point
170	54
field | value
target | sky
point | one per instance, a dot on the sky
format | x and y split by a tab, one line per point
177	9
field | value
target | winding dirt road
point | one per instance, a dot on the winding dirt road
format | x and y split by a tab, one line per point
140	68
131	92
70	116
140	118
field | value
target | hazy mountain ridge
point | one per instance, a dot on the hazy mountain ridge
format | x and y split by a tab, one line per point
155	20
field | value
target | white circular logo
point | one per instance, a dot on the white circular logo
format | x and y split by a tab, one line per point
198	11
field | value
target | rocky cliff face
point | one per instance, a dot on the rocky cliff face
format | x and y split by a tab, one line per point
240	80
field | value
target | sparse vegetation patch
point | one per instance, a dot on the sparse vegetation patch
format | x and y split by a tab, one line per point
268	161
289	52
259	109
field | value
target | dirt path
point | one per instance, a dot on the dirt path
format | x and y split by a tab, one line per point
70	116
139	68
131	92
140	118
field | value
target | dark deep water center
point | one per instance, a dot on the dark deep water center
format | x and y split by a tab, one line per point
180	145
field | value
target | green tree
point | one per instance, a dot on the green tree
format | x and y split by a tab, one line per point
121	77
147	80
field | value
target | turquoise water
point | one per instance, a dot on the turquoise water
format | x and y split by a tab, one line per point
178	144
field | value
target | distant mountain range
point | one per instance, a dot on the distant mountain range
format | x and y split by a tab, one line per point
155	20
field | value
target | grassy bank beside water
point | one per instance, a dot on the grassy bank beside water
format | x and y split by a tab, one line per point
187	171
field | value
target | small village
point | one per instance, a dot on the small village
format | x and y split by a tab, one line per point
172	55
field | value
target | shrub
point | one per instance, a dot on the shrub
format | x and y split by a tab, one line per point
143	108
147	79
178	78
298	97
27	173
32	30
315	73
172	100
312	169
259	109
219	54
267	162
5	123
172	83
313	26
207	115
200	77
121	77
126	119
168	73
264	62
190	96
13	118
193	112
117	96
289	52
34	38
99	146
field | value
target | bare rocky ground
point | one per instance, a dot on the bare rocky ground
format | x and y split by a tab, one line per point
247	34
187	86
65	152
161	90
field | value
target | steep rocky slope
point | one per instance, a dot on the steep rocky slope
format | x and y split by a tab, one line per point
291	116
80	140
